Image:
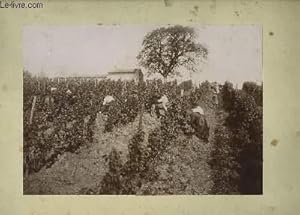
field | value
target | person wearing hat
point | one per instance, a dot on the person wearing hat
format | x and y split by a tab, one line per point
161	107
154	102
199	123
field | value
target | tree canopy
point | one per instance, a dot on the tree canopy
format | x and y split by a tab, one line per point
167	48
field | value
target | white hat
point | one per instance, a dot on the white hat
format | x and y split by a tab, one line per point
198	109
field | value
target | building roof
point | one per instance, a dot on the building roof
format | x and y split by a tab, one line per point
78	77
122	71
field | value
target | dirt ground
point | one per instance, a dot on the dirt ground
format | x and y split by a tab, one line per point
183	168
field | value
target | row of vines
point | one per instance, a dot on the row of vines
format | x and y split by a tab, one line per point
236	156
60	121
63	122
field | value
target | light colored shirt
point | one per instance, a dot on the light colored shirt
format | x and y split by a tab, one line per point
108	99
164	101
181	92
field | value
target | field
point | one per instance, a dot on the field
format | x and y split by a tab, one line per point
71	148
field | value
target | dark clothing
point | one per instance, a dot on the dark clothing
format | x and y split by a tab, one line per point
199	124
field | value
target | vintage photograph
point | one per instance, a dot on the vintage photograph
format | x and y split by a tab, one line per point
142	110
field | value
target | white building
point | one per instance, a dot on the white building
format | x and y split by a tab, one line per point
125	75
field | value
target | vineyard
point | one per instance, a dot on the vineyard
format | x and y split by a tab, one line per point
70	147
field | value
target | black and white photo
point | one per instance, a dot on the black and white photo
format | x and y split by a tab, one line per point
142	110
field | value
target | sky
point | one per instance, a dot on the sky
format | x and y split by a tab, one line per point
235	52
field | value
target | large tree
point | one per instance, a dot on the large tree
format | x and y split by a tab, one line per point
166	49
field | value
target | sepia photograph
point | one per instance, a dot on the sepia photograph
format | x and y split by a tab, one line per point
142	110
